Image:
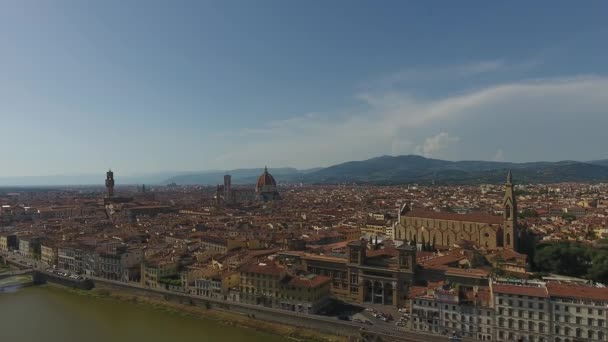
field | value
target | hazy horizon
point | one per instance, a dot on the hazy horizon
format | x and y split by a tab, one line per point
233	84
159	177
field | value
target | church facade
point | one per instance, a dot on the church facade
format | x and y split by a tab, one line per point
447	229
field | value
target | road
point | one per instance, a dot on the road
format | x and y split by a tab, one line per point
378	327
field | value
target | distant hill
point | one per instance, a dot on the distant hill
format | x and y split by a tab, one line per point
417	169
379	170
239	176
603	162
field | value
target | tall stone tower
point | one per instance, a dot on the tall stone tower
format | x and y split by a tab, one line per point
509	205
110	183
227	188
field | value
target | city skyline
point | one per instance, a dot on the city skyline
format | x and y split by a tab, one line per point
225	85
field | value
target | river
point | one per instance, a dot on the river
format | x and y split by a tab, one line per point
50	314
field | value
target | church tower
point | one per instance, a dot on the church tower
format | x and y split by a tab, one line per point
110	183
509	205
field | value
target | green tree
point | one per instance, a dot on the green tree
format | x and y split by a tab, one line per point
568	217
573	259
528	213
478	260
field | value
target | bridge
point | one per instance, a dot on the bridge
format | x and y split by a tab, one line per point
8	274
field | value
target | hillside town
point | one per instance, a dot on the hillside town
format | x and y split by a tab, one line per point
462	261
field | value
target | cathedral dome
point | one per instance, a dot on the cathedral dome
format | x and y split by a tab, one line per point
266	182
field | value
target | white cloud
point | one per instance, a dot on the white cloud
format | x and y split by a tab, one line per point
435	144
397	122
437	73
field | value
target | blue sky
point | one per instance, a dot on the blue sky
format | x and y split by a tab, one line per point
144	86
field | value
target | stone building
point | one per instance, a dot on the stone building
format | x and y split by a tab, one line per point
48	253
269	284
522	312
466	311
447	229
8	242
376	276
579	312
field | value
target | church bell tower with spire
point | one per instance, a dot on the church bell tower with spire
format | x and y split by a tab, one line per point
510	231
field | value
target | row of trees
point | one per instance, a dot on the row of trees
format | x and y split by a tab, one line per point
573	259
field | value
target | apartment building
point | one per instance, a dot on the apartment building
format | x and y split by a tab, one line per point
579	312
522	311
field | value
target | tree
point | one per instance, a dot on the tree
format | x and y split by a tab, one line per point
528	213
573	259
478	260
568	217
598	270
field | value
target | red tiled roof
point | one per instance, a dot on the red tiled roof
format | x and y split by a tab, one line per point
441	260
557	289
309	281
260	268
470	217
508	254
469	272
416	291
531	291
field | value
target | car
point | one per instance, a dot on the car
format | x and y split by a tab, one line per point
454	337
400	324
369	309
357	320
369	323
402	310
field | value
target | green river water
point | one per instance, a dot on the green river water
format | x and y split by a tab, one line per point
49	314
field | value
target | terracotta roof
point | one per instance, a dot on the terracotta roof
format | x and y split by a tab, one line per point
557	289
387	252
265	179
263	268
470	217
323	258
508	254
416	291
468	272
441	260
523	290
310	281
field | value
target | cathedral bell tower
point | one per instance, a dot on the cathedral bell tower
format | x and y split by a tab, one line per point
509	205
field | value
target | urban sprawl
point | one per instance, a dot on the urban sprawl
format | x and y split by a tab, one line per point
486	262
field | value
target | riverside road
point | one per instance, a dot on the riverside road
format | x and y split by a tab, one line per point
330	324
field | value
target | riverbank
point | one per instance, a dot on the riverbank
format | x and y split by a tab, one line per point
223	317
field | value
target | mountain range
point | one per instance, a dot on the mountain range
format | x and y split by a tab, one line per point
380	170
417	169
